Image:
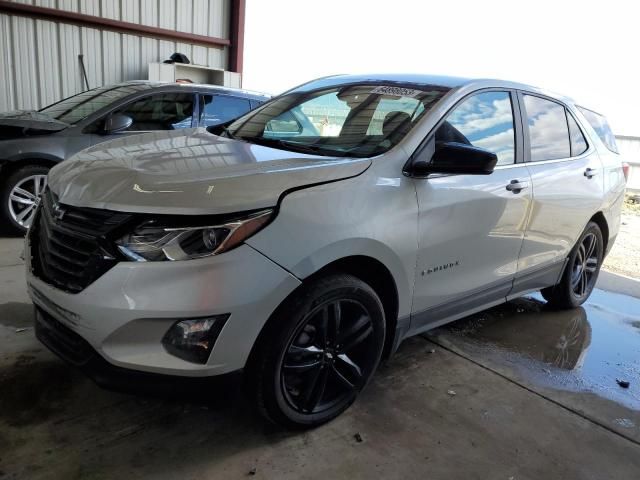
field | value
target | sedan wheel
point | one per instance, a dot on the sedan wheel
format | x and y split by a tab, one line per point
24	198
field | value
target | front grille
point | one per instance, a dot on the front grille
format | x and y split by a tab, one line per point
71	246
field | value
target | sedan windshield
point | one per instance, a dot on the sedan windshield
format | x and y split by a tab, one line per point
73	109
360	120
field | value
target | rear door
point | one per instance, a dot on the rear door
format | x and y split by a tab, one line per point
217	109
471	226
566	177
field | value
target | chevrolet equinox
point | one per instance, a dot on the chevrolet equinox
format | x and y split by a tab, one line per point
304	241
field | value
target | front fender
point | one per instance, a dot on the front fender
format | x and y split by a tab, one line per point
369	215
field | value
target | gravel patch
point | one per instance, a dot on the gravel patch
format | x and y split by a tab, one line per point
624	257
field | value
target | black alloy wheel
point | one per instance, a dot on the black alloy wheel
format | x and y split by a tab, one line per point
585	266
318	351
324	363
581	272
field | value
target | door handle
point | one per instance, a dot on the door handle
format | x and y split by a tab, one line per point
590	172
516	186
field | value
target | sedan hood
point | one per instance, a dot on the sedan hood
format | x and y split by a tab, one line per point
31	120
189	172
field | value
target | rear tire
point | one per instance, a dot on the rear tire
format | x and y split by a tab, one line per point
581	272
318	351
18	197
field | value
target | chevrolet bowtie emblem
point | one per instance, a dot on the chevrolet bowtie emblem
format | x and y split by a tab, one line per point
58	211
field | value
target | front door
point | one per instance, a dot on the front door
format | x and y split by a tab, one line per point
156	112
471	227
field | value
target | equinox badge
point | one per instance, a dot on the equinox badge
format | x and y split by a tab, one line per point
439	268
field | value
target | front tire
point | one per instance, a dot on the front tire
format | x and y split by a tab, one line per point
19	196
318	351
581	271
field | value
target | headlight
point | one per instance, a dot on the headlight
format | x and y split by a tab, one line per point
150	242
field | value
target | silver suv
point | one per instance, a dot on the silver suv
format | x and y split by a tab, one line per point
303	255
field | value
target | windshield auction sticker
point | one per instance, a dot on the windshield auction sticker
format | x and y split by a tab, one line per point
395	91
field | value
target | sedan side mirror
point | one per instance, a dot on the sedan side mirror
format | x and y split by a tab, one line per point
454	158
117	123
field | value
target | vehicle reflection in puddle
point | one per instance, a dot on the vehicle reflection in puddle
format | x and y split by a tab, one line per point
584	349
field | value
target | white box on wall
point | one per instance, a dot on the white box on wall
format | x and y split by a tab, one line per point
171	72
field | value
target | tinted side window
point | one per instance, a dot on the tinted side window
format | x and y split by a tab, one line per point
602	128
484	120
548	131
163	111
217	109
578	142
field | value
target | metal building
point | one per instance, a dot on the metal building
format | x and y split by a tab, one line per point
44	43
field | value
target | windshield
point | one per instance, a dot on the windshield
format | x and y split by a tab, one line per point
74	109
354	120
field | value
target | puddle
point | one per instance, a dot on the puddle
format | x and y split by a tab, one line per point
584	349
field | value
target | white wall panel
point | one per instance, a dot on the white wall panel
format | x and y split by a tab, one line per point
149	12
25	68
184	15
217	57
199	55
91	48
112	58
90	7
200	17
167	15
70	5
39	59
71	80
148	54
110	9
7	99
131	66
48	65
219	18
130	11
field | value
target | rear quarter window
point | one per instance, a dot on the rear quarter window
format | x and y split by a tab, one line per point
602	128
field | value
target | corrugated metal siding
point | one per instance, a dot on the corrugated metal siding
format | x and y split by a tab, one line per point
39	59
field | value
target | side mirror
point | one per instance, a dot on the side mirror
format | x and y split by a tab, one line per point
117	123
454	158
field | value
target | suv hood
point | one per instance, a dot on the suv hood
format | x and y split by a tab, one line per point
189	172
31	120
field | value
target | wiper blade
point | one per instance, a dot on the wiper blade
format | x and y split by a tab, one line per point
293	146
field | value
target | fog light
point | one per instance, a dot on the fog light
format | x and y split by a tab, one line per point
192	339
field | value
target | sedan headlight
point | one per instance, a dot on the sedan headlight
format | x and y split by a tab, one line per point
151	242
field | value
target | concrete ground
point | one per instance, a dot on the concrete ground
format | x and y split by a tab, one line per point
486	397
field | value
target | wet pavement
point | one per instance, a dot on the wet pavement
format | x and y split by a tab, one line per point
586	349
515	392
